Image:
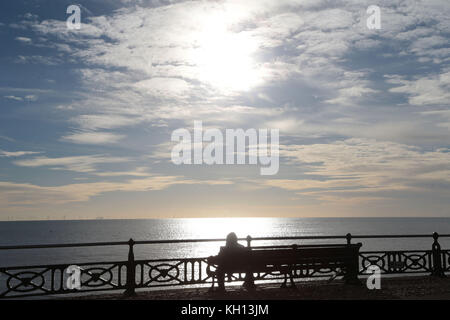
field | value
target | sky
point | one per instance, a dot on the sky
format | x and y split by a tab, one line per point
87	115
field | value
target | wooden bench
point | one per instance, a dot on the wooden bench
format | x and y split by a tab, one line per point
293	261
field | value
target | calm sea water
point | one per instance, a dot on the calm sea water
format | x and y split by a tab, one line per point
48	232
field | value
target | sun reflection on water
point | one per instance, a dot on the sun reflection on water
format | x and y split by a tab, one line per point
218	228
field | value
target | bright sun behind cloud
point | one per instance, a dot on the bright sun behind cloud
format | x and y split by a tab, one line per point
224	59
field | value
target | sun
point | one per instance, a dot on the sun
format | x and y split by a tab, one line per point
224	59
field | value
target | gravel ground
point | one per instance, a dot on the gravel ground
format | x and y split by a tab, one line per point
391	288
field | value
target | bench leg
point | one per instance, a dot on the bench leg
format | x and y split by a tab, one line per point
221	281
284	284
213	282
351	277
291	279
249	282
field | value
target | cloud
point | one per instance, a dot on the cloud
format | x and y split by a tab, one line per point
433	89
164	87
139	172
442	117
93	138
348	95
37	59
14	98
349	102
25	194
24	40
104	121
26	90
168	55
30	16
365	168
30	97
74	163
10	154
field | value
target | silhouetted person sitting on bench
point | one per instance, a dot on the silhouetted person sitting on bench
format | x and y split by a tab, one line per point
231	242
231	254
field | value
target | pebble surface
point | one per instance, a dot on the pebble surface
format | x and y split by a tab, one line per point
425	287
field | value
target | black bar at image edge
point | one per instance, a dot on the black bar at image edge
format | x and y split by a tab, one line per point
224	309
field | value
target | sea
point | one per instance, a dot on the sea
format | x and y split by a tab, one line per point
83	231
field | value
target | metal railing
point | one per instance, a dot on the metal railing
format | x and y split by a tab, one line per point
131	274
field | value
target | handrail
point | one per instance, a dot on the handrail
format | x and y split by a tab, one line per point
117	243
19	280
64	245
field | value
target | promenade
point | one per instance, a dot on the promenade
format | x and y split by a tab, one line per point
191	273
403	288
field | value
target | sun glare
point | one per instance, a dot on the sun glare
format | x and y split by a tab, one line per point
220	227
215	228
224	58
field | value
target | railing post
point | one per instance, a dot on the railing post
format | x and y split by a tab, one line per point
349	238
131	271
249	241
249	281
436	253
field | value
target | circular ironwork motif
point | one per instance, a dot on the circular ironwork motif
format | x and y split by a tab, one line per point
163	272
417	262
25	281
97	277
368	261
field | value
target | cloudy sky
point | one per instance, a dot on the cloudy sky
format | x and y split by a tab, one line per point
87	115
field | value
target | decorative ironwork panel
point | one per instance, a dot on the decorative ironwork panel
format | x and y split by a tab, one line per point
52	279
134	274
394	262
171	272
445	260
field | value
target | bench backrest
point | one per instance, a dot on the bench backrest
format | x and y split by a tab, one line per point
256	258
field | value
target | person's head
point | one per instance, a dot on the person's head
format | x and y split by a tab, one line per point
232	239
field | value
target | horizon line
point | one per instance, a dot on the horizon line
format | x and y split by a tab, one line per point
258	217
